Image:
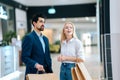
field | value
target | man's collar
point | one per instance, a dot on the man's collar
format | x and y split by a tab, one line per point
39	34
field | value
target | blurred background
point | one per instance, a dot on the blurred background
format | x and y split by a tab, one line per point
95	27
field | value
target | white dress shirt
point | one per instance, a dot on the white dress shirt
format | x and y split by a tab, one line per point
41	40
73	47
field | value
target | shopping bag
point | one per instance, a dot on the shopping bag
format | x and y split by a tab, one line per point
80	72
46	76
77	74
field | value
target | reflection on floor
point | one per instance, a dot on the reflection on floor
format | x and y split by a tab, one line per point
92	63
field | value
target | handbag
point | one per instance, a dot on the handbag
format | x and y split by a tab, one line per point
45	76
80	72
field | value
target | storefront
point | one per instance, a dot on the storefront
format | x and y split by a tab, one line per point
7	20
12	22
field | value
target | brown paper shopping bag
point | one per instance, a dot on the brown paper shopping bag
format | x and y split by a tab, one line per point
46	76
79	72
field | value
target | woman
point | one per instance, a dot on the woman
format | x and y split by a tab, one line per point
71	51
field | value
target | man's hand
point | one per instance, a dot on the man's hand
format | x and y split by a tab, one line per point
39	67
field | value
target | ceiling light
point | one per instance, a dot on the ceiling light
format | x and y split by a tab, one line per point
87	18
93	20
51	10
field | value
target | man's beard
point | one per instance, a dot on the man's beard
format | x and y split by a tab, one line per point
40	28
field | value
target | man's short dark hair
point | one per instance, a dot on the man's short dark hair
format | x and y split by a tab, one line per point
36	16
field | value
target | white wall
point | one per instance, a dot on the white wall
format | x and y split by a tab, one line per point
115	37
21	22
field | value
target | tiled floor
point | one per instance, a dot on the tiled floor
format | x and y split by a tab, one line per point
92	63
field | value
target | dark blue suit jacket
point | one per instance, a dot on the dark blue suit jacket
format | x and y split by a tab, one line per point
32	53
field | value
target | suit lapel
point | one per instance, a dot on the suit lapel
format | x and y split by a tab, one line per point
45	41
35	35
37	40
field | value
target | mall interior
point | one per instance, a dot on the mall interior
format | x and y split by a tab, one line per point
97	26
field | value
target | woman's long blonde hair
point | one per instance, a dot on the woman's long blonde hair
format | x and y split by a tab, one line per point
63	37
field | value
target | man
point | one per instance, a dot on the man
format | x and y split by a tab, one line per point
35	49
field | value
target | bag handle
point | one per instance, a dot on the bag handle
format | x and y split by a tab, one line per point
38	72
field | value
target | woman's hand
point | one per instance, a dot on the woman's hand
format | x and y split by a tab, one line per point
61	58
